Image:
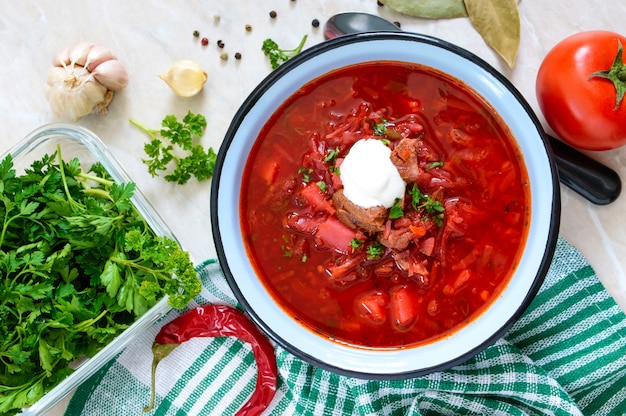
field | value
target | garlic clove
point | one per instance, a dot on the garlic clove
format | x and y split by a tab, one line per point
62	58
186	78
97	55
112	74
78	53
102	107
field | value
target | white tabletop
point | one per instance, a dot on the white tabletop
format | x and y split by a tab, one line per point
149	36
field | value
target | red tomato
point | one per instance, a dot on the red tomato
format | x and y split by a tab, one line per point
582	110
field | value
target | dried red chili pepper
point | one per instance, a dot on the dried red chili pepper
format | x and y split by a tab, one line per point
221	321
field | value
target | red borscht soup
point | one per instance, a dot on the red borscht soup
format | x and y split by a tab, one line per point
376	276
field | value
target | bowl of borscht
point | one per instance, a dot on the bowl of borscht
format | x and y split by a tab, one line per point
385	205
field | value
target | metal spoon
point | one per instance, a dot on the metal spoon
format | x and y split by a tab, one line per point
596	182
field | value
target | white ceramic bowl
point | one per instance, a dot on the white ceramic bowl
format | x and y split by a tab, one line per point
399	363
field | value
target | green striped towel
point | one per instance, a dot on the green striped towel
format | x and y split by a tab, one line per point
565	356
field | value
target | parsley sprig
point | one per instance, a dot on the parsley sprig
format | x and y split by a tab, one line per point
375	250
278	56
396	210
175	137
383	130
433	208
78	264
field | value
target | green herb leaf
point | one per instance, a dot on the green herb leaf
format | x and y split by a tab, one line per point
396	210
375	250
434	165
498	23
306	174
45	357
111	278
355	244
380	129
434	209
278	56
331	156
196	162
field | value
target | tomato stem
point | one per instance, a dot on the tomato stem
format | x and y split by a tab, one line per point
616	74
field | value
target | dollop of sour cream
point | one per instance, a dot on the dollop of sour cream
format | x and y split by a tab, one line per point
369	177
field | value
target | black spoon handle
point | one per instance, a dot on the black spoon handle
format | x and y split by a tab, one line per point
591	179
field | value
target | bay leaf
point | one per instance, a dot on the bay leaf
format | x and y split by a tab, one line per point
498	23
429	9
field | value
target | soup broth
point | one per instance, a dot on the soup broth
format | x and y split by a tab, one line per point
385	277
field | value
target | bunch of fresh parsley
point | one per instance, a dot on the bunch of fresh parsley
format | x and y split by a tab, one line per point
78	265
196	162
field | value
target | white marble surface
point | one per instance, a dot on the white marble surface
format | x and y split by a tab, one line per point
149	36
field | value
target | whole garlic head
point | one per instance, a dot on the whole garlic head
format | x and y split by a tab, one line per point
83	80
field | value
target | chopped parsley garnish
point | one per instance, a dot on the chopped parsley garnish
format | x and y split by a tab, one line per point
396	210
433	208
383	130
355	244
331	156
380	129
434	165
286	246
306	174
375	250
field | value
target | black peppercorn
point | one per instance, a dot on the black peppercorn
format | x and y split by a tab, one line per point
196	33
273	14
237	55
315	23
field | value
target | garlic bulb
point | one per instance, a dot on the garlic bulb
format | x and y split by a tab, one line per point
83	80
185	78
